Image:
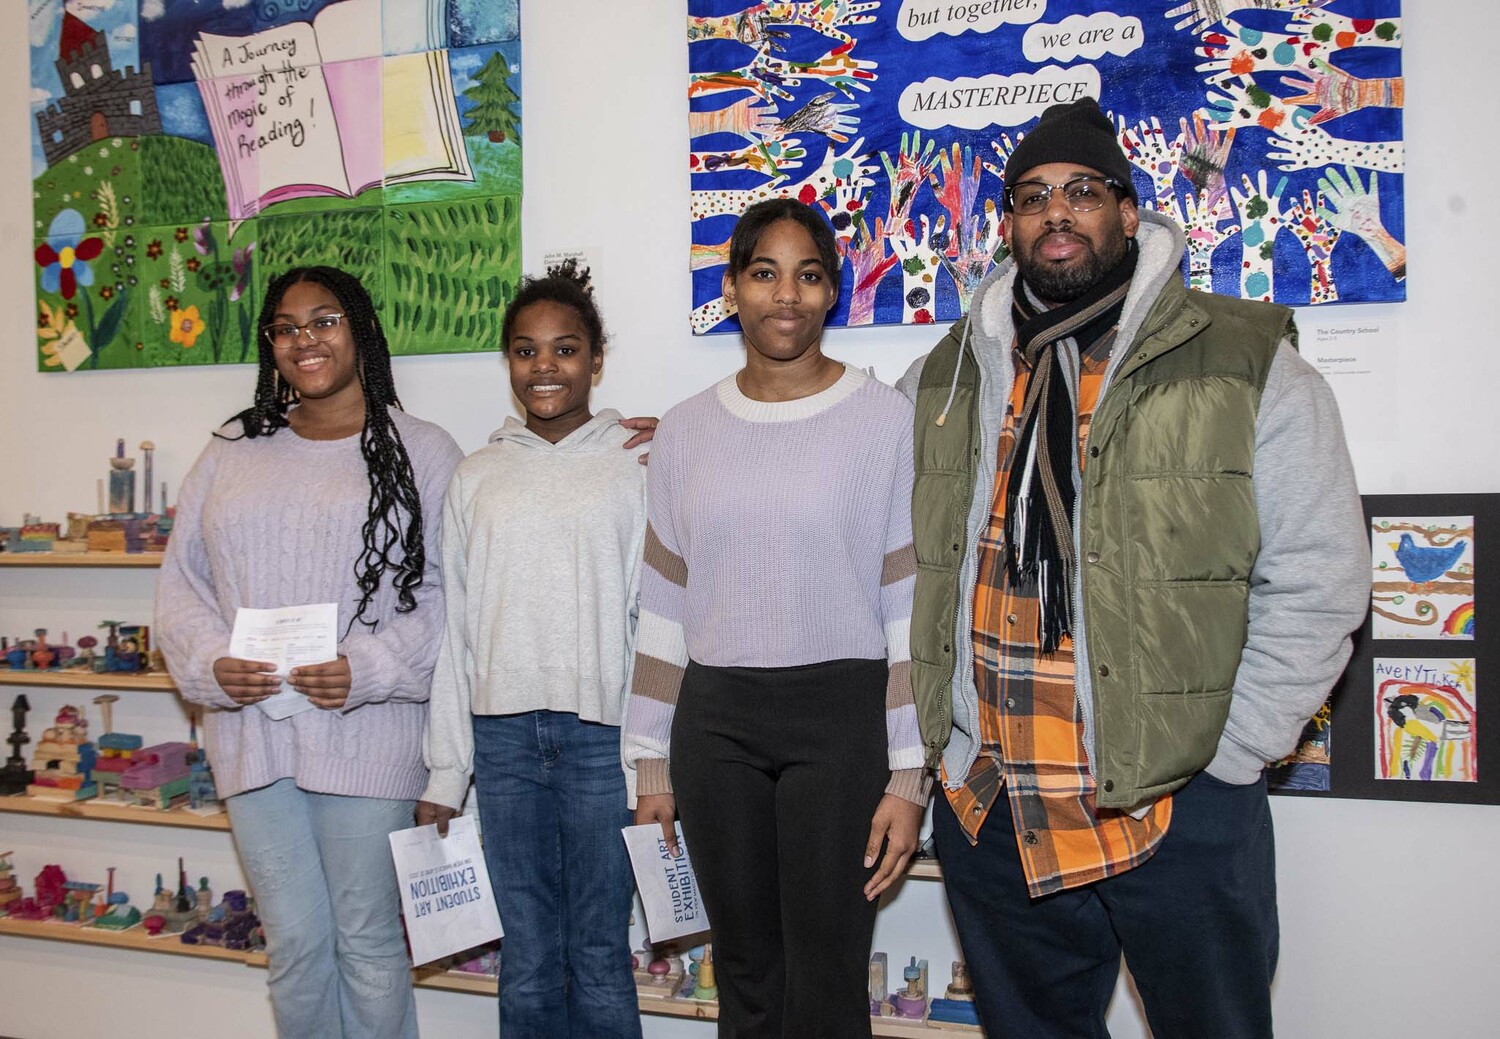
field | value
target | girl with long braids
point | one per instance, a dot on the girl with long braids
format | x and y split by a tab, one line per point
323	490
542	537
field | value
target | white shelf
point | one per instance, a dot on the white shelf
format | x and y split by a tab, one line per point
104	811
447	980
151	682
109	559
135	938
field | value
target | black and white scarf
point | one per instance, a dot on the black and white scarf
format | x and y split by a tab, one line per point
1039	494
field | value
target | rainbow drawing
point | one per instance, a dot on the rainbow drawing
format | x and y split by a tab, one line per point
1422	577
1460	623
1425	721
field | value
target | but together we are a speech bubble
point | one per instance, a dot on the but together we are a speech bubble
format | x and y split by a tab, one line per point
922	19
1083	36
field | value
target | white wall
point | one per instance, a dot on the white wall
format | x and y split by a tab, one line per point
1388	910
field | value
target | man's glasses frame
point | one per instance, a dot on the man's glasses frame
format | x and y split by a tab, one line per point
1083	194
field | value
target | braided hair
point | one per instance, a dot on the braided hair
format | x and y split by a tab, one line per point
567	284
395	511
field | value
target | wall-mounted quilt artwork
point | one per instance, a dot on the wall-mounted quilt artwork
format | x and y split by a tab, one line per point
184	151
1269	129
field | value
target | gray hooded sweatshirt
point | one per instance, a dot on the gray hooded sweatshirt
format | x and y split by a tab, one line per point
541	554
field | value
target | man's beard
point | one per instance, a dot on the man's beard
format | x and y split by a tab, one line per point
1063	283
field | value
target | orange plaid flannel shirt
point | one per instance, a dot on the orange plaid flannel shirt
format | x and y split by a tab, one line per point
1031	733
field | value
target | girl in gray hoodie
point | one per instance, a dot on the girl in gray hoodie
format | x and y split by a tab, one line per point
542	537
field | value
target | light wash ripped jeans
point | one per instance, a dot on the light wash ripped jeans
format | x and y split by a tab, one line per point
320	868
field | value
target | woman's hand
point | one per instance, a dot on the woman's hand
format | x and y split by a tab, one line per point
246	682
896	822
645	432
326	684
429	813
659	808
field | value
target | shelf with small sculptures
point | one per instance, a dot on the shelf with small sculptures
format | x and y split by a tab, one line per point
115	534
116	777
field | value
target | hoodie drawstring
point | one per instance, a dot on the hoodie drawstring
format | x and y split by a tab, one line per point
953	390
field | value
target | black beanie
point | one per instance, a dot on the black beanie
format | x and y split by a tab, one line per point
1077	132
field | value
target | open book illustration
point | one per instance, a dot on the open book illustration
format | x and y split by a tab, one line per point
315	108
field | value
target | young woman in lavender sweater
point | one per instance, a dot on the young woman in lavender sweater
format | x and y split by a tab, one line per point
771	703
323	490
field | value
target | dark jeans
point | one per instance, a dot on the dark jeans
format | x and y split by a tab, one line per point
1196	922
552	801
777	774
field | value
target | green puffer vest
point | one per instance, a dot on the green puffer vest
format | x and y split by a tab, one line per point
1167	536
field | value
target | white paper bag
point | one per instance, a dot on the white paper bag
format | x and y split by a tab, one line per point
669	890
445	890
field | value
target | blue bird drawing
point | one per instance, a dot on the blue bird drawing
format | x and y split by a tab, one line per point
1425	565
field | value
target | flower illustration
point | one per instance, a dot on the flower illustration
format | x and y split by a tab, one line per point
242	258
170	302
153	250
64	256
194	263
52	357
52	324
203	238
187	326
107	292
71	310
100	220
181	234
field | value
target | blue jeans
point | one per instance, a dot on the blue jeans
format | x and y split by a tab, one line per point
1196	922
551	803
324	882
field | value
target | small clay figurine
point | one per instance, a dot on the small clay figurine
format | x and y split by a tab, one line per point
121	481
706	988
162	901
205	898
147	447
961	987
958	1008
106	704
85	658
119	914
232	924
879	985
64	761
10	891
182	909
42	655
911	1001
15	777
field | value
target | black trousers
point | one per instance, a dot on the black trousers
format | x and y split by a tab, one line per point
1196	922
777	773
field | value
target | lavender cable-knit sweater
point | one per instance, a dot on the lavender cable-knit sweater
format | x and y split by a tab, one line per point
779	534
276	521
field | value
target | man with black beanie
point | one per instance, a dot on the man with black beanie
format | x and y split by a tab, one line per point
1140	556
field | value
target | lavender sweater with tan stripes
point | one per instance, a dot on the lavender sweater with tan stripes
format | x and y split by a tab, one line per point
779	534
